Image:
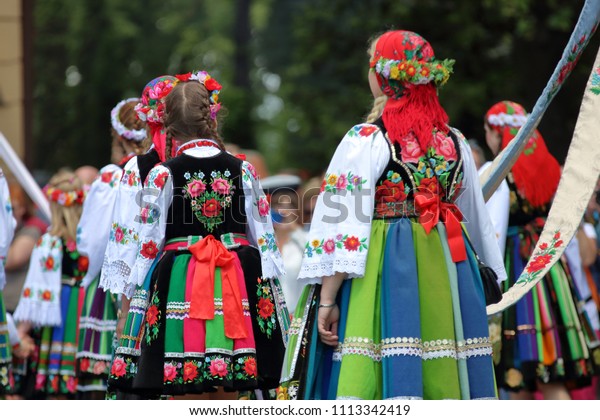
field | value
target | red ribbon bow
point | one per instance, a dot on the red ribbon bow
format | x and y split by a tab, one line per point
431	209
212	253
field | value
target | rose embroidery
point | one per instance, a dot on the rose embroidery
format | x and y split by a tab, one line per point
195	188
149	250
218	367
263	206
411	150
170	372
265	307
209	198
190	371
152	315
250	366
444	146
118	367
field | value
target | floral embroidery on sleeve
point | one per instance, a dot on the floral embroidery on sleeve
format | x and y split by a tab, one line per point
131	178
209	196
149	250
110	177
343	182
362	130
267	242
328	246
122	235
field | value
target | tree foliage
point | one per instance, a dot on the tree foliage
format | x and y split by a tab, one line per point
294	71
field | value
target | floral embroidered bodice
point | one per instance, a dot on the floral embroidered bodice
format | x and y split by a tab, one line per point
207	201
438	170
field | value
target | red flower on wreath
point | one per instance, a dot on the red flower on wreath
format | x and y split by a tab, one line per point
351	243
212	84
183	77
250	366
190	371
149	250
411	70
265	307
211	208
118	368
152	315
49	263
84	365
538	263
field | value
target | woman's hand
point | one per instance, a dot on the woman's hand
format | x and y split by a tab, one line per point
327	324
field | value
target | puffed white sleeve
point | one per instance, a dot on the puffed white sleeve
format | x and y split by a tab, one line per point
153	215
498	207
260	226
122	246
94	226
7	226
475	215
340	230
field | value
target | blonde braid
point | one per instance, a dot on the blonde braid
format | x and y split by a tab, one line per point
65	218
377	110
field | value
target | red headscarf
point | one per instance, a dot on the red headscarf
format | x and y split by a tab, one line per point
407	72
536	172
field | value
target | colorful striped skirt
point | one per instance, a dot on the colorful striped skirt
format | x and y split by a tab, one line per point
56	365
96	335
166	351
544	333
414	327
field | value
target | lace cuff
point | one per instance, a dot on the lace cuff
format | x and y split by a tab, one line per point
115	276
311	273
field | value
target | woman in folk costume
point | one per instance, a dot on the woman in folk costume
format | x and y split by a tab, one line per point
99	316
400	312
544	343
52	297
122	247
217	316
7	231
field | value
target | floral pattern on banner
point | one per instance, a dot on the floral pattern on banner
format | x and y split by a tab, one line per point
123	368
541	259
343	182
122	235
595	88
209	198
153	318
572	60
328	246
362	130
267	321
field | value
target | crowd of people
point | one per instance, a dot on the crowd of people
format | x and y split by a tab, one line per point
182	269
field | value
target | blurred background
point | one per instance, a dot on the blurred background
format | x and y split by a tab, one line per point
294	72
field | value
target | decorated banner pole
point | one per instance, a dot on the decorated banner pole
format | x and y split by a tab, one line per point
20	172
576	186
583	31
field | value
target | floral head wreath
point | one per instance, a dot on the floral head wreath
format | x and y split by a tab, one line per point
64	198
213	87
408	60
135	135
506	114
151	107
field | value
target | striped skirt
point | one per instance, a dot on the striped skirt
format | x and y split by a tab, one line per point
414	327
